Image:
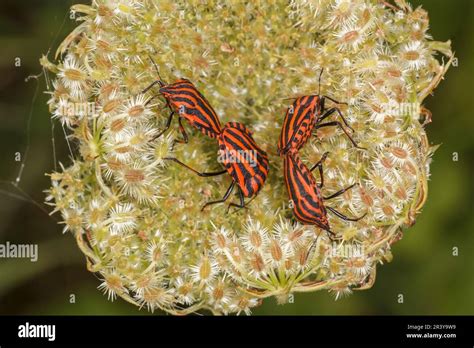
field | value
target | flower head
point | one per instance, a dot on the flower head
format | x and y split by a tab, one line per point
137	215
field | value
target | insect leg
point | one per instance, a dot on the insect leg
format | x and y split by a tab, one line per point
183	132
337	123
333	100
241	198
340	192
330	111
226	196
150	100
332	236
319	165
342	216
204	174
154	83
168	124
156	96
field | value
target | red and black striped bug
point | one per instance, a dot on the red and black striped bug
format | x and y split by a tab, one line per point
305	194
242	158
303	117
183	98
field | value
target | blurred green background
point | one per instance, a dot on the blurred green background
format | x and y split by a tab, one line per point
432	280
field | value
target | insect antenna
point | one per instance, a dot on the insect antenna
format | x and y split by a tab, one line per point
292	98
160	81
319	81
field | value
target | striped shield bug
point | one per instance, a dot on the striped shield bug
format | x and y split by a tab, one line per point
184	99
305	195
243	160
303	117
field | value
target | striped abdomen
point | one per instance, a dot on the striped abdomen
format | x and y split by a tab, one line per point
298	124
190	104
244	160
308	205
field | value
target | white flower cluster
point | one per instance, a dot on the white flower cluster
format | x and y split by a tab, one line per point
137	218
